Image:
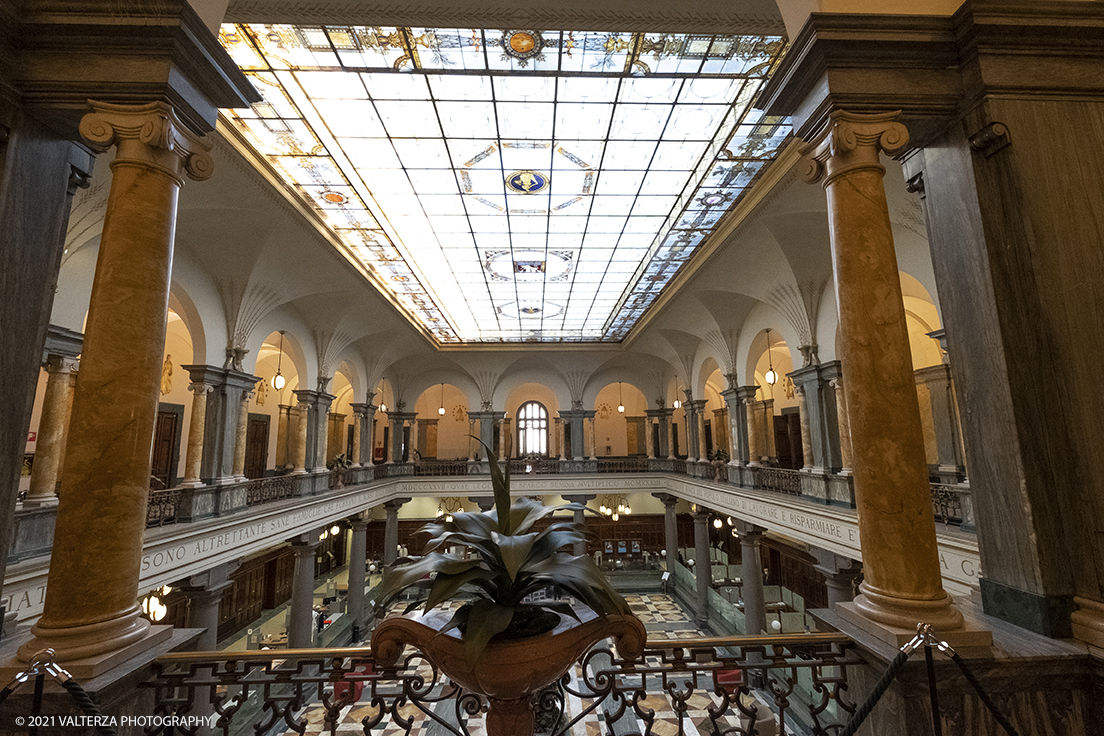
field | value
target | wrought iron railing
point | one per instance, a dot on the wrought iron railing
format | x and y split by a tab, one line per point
269	490
953	505
678	466
161	507
441	467
623	465
781	480
379	472
797	682
535	465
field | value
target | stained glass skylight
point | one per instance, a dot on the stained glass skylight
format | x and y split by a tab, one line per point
512	185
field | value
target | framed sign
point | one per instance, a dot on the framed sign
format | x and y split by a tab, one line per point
636	548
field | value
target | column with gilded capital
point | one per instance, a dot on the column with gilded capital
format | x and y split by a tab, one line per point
98	534
896	524
51	431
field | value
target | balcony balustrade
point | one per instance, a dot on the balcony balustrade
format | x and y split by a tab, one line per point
766	684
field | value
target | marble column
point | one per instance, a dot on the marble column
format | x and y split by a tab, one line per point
193	458
221	418
413	451
699	412
688	412
321	409
391	530
670	528
51	431
362	434
471	440
354	458
301	607
768	430
808	461
240	435
944	420
841	575
282	436
358	561
703	573
503	437
97	550
751	576
745	396
666	446
754	433
731	398
560	438
582	499
431	429
649	440
593	436
844	425
302	424
902	574
204	592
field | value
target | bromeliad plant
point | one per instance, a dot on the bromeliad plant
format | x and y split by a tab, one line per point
510	562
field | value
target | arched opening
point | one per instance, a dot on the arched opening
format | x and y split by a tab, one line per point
532	429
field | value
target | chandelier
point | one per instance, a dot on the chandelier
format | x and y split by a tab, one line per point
449	506
615	505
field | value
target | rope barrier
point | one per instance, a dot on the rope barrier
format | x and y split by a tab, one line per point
925	637
43	664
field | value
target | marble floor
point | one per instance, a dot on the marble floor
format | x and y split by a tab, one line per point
662	617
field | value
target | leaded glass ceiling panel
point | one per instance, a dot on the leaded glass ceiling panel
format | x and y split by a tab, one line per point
516	185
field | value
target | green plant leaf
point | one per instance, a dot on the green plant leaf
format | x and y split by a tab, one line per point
561	607
486	619
513	550
400	576
500	484
445	586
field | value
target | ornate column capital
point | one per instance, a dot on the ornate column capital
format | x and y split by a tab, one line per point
850	142
199	388
150	136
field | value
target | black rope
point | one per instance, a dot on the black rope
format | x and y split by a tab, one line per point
84	700
875	695
1001	719
5	693
937	723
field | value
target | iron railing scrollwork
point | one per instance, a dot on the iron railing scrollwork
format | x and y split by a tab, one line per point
162	507
269	490
438	468
780	480
623	465
787	679
951	504
534	465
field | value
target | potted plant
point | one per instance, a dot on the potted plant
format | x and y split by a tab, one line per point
501	643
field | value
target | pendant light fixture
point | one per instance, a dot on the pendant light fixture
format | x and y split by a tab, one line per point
441	408
278	381
771	376
620	400
383	385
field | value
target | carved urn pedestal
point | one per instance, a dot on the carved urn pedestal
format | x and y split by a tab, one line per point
510	671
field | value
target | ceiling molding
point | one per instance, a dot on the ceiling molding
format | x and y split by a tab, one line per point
756	17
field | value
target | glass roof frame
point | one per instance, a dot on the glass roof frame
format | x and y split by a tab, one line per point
550	233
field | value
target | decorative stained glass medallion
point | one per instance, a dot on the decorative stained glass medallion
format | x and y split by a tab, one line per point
522	45
526	182
513	185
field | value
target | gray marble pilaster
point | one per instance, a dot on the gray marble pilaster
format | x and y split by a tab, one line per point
702	568
751	573
300	612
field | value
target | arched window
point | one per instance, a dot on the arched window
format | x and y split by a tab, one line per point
533	429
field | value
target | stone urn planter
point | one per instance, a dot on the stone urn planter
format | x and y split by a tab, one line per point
510	670
717	465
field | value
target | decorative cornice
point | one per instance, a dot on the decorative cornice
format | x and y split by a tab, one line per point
756	18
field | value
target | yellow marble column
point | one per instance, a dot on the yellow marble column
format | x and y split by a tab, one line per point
300	423
844	426
896	525
193	458
803	420
560	438
755	449
356	440
282	436
702	454
649	441
51	431
91	604
239	440
769	448
593	438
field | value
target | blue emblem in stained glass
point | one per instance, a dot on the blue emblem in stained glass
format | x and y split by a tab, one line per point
526	181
